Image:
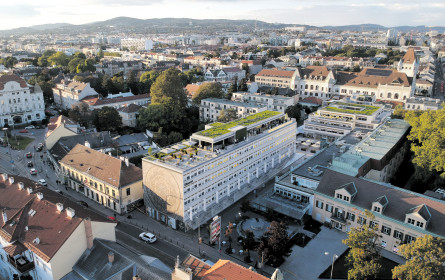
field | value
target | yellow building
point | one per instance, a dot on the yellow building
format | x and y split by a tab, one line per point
112	182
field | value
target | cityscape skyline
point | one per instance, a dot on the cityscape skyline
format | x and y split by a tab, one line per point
25	13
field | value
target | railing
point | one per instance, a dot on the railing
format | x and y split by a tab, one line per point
22	268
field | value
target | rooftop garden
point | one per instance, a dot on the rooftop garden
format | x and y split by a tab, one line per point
219	129
351	108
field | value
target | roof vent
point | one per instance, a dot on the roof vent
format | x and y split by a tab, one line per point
36	241
29	189
21	186
5	176
59	207
40	195
32	212
11	180
70	212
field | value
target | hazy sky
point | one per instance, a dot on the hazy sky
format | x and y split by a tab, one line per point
19	13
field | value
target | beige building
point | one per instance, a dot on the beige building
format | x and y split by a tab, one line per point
109	181
276	78
401	216
42	233
68	93
59	127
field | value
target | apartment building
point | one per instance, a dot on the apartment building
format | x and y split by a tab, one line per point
423	87
272	102
134	44
113	67
188	183
109	181
276	78
43	233
210	108
401	216
20	103
423	103
341	117
68	93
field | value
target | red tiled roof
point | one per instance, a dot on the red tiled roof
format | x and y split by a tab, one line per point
11	78
312	100
55	122
225	269
191	89
410	56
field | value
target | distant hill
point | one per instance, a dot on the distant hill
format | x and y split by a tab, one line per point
186	25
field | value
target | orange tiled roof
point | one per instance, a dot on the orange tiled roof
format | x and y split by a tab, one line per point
9	78
225	269
410	56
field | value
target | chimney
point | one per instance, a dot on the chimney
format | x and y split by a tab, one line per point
126	162
11	180
88	232
5	217
40	195
29	190
59	207
5	176
70	212
87	144
110	257
21	186
137	277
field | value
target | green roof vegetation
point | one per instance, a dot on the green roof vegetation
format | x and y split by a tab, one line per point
351	108
219	129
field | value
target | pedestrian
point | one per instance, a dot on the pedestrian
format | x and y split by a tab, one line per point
66	187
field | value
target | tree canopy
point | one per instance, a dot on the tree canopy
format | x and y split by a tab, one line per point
274	244
227	115
208	90
363	258
294	111
107	119
425	259
168	90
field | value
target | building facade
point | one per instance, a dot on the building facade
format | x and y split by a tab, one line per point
210	108
400	215
111	182
66	94
189	183
20	103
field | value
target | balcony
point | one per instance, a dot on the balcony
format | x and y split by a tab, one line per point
21	264
339	217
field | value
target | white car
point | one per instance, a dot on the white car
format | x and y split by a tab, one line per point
42	182
30	127
147	237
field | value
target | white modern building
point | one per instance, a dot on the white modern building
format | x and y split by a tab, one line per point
272	102
210	108
19	102
137	44
189	183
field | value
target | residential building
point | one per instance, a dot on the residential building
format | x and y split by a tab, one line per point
401	216
96	102
423	88
316	81
272	102
225	74
276	78
20	103
423	103
129	114
59	127
340	118
255	66
113	67
66	93
193	268
189	183
43	233
210	108
409	64
134	44
109	181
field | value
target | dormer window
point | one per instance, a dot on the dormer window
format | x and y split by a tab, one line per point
376	209
339	196
411	221
419	224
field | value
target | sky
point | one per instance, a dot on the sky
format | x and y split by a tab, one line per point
22	13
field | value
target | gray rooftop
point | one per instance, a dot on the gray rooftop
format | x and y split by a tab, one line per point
97	140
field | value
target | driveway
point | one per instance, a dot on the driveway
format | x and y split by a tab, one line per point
309	262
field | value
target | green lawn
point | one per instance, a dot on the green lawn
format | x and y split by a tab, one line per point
21	143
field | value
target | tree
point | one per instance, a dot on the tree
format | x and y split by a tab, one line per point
274	244
425	258
72	65
107	119
45	83
153	117
174	137
132	82
399	112
428	139
59	59
294	112
363	258
243	85
227	115
233	88
207	90
9	61
249	242
147	79
356	68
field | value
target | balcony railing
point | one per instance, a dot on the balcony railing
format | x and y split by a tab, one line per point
338	217
21	264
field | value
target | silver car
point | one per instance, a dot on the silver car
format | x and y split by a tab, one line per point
147	237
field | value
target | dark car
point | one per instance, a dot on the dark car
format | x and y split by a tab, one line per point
83	203
28	155
38	149
30	164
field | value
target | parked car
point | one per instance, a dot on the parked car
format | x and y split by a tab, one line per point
42	182
30	164
147	237
33	171
30	127
83	203
23	131
28	155
39	149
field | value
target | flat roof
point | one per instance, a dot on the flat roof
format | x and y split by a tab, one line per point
352	108
224	128
234	103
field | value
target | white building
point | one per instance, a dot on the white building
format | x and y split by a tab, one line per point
210	108
423	103
137	44
19	102
68	93
189	183
272	102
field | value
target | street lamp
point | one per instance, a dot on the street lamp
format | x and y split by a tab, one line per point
334	256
